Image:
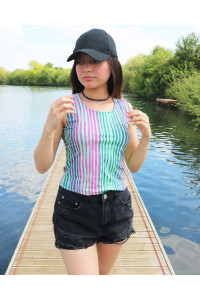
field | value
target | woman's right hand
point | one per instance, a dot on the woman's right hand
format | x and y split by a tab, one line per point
58	109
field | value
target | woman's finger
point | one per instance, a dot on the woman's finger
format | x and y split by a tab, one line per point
140	123
63	100
64	113
133	117
136	119
64	107
136	113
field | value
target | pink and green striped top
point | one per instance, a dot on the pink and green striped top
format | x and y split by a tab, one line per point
95	142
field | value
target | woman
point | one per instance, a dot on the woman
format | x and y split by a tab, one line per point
93	212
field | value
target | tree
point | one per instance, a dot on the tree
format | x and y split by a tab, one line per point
3	75
43	77
154	72
187	53
36	66
30	77
187	91
48	65
131	73
17	77
60	77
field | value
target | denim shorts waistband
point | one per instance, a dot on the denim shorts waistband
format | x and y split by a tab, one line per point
95	198
98	197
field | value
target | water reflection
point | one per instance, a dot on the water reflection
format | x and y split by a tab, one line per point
179	249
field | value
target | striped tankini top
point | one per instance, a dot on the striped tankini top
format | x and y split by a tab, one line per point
95	142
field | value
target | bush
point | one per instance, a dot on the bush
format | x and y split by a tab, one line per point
17	77
187	52
64	78
30	77
155	73
187	91
42	78
132	74
3	75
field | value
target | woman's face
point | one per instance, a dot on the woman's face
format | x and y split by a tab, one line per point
92	73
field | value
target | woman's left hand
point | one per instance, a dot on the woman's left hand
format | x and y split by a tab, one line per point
141	120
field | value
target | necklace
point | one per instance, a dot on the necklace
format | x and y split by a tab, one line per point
94	99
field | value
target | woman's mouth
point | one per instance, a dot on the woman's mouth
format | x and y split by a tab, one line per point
88	78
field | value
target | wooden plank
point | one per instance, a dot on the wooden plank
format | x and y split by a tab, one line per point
56	262
51	270
51	254
166	101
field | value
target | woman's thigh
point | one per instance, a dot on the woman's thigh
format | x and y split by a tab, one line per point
81	261
107	255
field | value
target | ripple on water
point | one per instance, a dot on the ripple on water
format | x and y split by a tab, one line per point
164	230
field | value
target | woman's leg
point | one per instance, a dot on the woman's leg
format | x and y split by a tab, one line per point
81	261
107	254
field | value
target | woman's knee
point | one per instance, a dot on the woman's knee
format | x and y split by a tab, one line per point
81	261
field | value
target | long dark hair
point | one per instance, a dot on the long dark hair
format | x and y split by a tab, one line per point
115	80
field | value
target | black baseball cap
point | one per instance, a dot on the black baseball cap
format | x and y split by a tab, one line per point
96	43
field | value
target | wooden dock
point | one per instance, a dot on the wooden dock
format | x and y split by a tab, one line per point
36	254
166	102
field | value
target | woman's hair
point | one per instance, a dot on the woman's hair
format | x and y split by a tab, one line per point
115	80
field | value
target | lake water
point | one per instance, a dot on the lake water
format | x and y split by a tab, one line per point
168	181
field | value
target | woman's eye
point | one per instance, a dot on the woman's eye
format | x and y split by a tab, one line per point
79	62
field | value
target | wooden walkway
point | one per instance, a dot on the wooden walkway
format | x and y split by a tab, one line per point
166	102
36	254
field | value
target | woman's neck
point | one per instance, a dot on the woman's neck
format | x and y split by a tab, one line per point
96	93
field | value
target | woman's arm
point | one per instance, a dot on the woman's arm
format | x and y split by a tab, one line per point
136	152
45	151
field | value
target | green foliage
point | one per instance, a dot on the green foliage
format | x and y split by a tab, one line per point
3	75
155	73
17	77
36	66
63	78
187	91
42	78
148	75
165	74
188	52
37	75
48	65
30	77
132	74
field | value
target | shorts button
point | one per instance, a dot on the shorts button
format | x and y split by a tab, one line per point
76	203
105	196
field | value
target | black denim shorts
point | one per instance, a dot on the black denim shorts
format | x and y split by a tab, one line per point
81	221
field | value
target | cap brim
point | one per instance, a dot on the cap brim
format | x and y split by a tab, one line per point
93	53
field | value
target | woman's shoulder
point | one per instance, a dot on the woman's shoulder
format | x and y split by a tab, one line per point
124	103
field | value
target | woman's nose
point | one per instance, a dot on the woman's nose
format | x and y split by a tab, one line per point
87	66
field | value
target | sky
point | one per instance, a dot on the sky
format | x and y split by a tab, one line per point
20	44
